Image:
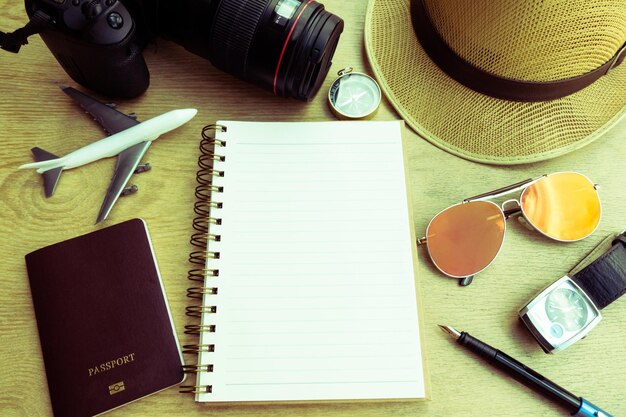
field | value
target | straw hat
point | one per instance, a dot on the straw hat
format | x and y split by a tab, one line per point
526	52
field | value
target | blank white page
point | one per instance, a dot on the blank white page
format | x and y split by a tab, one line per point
316	289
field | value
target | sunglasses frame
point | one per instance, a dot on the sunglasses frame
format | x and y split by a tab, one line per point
507	213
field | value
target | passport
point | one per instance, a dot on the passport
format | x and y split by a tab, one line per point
105	328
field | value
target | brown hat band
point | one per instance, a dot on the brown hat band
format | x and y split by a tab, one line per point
490	84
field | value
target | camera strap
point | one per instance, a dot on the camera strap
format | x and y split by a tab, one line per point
13	41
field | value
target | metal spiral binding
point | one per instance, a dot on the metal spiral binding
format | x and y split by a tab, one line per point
194	369
198	311
198	348
198	292
205	204
196	389
199	328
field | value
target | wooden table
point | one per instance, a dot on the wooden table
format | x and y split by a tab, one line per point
33	112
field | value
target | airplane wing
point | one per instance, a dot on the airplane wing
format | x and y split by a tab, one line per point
111	120
125	166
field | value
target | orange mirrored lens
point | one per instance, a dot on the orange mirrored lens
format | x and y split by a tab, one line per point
564	206
463	239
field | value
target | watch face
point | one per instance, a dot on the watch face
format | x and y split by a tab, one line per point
560	315
355	95
567	308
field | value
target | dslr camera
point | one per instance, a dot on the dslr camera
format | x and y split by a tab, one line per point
285	46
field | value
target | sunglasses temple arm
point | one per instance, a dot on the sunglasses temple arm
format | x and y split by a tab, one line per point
503	190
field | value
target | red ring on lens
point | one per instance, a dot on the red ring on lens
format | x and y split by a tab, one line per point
282	52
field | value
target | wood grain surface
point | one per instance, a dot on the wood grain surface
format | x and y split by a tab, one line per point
33	112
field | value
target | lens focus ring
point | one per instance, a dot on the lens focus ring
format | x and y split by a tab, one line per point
233	30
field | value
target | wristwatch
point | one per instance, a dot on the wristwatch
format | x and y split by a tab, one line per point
569	309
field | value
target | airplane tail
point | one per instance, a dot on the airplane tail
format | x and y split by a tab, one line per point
49	165
43	165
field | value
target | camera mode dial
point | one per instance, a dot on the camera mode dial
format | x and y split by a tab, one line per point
96	42
102	22
92	9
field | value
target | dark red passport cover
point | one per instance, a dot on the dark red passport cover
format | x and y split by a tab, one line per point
105	329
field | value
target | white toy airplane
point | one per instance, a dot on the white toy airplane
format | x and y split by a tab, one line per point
129	140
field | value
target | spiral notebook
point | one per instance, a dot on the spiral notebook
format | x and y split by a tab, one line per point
306	265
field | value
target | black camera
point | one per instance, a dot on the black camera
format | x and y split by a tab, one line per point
285	46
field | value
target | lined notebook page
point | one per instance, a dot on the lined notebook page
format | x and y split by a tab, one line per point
316	288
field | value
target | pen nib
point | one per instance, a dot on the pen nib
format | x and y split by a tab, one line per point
451	331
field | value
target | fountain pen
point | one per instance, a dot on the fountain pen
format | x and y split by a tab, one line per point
577	406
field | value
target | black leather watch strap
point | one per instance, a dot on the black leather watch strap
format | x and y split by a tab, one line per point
604	280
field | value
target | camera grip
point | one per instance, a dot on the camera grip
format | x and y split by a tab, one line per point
116	70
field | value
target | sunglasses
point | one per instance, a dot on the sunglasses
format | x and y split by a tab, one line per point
465	238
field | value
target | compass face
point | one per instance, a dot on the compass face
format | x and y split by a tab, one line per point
355	95
567	308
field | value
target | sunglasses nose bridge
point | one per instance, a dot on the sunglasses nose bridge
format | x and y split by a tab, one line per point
511	207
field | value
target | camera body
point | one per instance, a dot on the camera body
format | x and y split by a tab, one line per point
285	46
98	44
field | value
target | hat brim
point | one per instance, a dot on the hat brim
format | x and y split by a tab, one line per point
472	125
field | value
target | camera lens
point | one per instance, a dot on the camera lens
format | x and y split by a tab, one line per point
285	46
